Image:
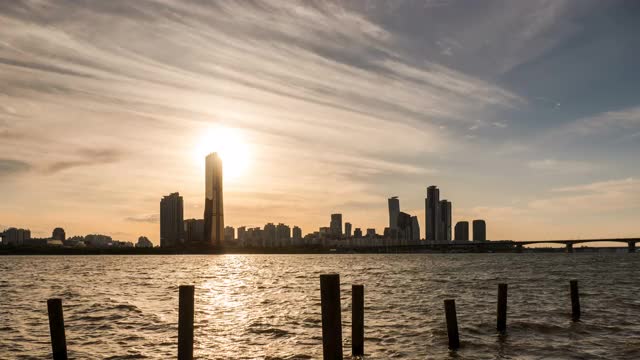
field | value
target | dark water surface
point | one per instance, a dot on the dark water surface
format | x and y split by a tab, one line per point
268	306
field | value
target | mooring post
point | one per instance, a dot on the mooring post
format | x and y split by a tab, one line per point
357	320
452	324
56	327
185	322
331	318
575	301
502	308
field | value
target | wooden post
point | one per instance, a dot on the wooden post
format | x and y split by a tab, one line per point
357	320
185	322
502	308
56	327
452	324
575	301
331	318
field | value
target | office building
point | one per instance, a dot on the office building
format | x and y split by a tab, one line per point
336	225
479	230
445	221
58	234
357	233
462	231
394	212
403	230
432	214
171	220
415	228
347	229
213	205
194	231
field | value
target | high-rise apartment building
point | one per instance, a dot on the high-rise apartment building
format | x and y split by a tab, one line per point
229	234
462	231
194	231
357	233
479	230
297	233
415	228
394	212
171	220
336	225
242	233
445	221
283	235
269	235
432	214
347	229
213	205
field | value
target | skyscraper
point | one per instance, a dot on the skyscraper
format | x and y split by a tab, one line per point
415	228
336	225
432	213
479	230
394	212
445	216
462	231
213	206
171	220
347	229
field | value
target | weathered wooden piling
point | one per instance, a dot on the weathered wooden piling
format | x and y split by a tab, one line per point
185	322
452	324
575	301
502	308
56	327
357	320
331	317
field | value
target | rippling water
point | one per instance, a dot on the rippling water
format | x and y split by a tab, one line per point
268	306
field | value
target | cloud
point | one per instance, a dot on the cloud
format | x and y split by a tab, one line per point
562	166
148	218
9	167
597	197
610	121
86	157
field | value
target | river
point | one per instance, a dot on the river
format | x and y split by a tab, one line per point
268	306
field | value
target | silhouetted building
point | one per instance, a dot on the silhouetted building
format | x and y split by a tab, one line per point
462	231
347	229
394	212
242	233
336	225
445	224
229	234
269	235
16	237
283	235
371	232
357	233
432	213
213	205
58	234
415	228
404	230
479	230
98	240
194	231
144	242
297	233
171	220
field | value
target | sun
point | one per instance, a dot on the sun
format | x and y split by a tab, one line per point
231	146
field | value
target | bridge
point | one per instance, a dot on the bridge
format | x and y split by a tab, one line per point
631	242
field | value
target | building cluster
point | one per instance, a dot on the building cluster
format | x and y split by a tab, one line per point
438	221
22	238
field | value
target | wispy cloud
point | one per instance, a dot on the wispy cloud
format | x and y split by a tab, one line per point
147	218
562	166
10	167
86	157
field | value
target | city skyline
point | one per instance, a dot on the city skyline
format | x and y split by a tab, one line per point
525	112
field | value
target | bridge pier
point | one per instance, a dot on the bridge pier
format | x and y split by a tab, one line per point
632	246
569	248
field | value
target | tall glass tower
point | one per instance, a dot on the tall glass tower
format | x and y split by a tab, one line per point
213	208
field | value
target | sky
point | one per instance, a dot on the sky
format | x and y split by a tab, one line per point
523	113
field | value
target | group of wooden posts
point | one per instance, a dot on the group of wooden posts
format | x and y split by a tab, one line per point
332	326
331	319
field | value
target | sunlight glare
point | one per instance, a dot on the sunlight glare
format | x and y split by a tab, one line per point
231	146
